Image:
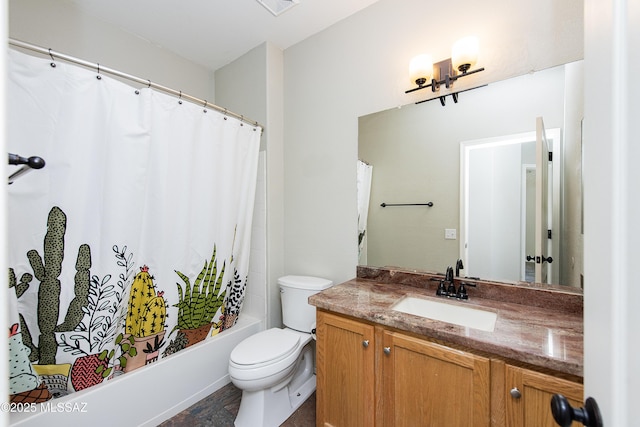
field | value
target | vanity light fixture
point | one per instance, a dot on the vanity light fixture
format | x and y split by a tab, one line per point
425	74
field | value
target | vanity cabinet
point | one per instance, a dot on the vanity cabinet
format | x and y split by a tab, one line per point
345	367
368	375
528	396
372	375
429	384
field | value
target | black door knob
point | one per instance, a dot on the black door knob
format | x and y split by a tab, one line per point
564	414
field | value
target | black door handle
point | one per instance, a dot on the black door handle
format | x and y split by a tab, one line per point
564	414
543	259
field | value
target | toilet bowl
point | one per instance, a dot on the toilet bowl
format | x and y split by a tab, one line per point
275	368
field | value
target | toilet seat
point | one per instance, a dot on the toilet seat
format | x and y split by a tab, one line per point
265	348
274	361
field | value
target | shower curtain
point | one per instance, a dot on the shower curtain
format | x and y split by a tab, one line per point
132	243
364	174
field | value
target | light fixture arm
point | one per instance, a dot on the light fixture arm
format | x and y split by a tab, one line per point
447	81
454	96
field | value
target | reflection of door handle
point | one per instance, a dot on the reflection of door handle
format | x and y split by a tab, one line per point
530	258
542	259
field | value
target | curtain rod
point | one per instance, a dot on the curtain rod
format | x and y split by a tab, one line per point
101	69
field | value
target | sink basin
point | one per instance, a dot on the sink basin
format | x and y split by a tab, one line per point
446	312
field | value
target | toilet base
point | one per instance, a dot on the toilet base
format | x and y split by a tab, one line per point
272	407
259	410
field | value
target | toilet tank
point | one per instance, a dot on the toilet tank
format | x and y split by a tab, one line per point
294	294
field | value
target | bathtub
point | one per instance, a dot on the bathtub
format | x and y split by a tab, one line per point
149	395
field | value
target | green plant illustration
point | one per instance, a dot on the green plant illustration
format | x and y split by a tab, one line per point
125	346
198	305
47	269
25	281
147	308
179	343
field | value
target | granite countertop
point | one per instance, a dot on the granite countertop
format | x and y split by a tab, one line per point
539	336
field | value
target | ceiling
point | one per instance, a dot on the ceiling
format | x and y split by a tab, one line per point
213	33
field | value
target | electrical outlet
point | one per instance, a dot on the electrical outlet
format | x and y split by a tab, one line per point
450	234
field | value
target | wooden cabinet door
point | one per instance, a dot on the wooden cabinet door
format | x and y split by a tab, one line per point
531	405
345	372
427	384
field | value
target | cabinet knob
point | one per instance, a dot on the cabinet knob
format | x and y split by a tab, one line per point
515	393
387	350
365	343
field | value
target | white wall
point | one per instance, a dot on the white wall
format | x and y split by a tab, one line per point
359	66
612	208
58	25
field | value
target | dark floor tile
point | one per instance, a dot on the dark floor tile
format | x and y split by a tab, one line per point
220	408
305	415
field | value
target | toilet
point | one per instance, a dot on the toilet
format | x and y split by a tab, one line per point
275	368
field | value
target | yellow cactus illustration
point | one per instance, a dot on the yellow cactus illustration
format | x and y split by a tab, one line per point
147	308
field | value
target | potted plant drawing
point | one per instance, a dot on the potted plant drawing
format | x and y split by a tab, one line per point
198	304
98	340
152	351
146	317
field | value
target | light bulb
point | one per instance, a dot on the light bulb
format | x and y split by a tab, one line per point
464	53
421	69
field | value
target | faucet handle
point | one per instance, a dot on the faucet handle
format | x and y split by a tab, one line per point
451	290
462	290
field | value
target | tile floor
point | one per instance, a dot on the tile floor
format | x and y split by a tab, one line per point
219	409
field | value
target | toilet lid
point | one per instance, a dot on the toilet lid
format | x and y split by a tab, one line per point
266	346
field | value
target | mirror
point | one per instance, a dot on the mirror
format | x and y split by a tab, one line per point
414	156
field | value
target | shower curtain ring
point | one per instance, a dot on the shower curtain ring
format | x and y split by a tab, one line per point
241	120
205	106
225	114
149	85
180	98
53	63
99	77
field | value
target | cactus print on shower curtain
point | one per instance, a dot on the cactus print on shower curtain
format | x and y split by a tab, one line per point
136	188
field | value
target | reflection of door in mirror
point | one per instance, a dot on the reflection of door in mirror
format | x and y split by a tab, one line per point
364	173
543	230
498	206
